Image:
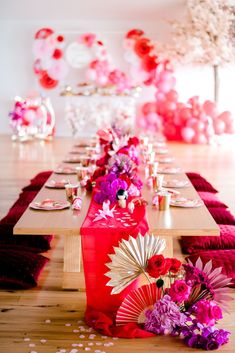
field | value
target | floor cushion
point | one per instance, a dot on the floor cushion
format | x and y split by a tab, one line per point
192	175
38	181
20	269
201	184
222	215
226	240
211	200
26	242
220	258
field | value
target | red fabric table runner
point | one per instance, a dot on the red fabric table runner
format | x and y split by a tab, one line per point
98	240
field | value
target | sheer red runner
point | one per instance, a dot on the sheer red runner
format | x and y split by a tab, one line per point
98	240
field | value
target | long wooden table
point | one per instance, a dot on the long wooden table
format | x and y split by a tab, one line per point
169	224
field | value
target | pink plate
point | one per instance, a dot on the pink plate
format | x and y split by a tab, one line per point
184	202
175	183
169	170
65	170
49	205
165	159
56	184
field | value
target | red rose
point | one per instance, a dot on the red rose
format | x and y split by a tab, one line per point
57	54
126	179
143	47
133	141
102	161
149	63
46	81
88	185
157	266
134	33
98	172
175	265
60	38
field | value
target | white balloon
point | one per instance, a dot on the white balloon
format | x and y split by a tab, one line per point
78	55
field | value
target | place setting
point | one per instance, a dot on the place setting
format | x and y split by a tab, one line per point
49	205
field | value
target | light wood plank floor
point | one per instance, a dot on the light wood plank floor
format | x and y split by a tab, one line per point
23	314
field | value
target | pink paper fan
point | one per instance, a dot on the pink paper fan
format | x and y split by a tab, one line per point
136	303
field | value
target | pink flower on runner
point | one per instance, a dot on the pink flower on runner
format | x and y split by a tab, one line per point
179	291
88	39
207	312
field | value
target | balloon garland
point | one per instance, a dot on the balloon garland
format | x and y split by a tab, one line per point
191	122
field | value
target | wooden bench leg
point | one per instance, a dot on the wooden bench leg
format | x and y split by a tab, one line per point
72	263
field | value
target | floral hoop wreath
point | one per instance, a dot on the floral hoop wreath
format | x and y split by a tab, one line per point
49	64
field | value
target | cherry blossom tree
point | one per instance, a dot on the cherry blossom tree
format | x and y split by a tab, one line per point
207	36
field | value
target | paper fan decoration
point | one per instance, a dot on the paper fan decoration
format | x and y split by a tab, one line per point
130	259
134	306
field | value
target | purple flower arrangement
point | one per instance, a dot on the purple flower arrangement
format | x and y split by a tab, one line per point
109	187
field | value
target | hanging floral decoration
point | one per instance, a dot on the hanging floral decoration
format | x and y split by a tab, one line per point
49	64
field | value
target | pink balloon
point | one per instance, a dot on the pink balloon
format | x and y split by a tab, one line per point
192	123
149	107
91	75
187	134
151	118
210	108
169	105
230	128
172	96
102	80
200	139
226	117
219	126
199	126
165	75
141	122
160	96
194	100
42	48
59	70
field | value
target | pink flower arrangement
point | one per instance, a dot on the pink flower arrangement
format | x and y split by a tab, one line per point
208	312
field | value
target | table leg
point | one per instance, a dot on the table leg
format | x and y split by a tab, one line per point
73	278
168	251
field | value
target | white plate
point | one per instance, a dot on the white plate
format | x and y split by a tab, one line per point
175	183
49	205
184	202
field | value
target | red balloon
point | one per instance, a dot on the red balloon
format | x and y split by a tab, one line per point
185	114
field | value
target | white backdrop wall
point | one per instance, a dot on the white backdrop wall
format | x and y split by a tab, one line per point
19	20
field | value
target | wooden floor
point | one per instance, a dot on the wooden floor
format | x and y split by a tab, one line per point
49	320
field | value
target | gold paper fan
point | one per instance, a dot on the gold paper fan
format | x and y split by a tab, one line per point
134	306
130	259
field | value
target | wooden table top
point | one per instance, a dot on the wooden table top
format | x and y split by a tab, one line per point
175	222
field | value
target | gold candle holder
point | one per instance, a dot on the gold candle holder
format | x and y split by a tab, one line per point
72	191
